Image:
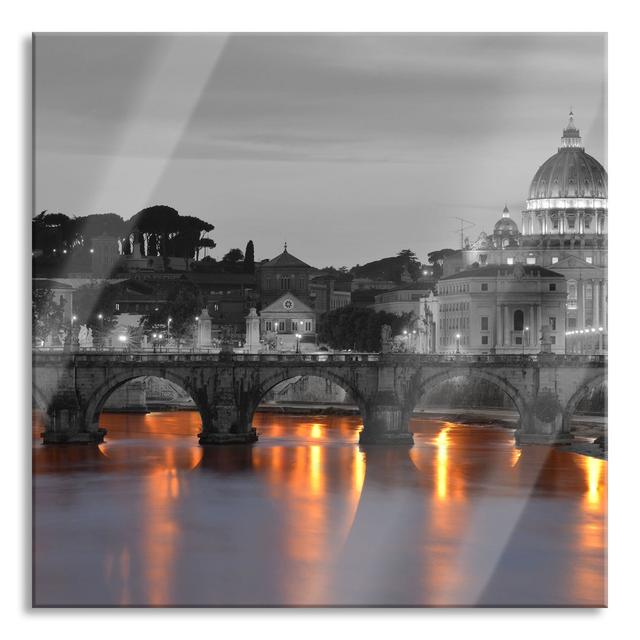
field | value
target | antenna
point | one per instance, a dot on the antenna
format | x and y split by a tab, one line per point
462	229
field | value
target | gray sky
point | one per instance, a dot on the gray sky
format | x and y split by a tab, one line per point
349	147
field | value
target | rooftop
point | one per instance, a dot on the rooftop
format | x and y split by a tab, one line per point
285	259
505	270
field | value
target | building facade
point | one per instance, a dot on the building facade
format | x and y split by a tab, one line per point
288	324
564	228
402	300
284	274
498	309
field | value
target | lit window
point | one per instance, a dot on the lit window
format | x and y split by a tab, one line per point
509	260
589	260
531	260
554	259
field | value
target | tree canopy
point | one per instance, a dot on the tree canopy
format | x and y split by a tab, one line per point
160	230
47	315
356	328
391	268
437	258
184	303
249	258
233	256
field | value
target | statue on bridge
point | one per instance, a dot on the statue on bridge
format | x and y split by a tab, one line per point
85	337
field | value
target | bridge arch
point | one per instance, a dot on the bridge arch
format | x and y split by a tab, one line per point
580	394
274	379
425	379
102	393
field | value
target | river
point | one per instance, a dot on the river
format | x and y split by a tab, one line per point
307	517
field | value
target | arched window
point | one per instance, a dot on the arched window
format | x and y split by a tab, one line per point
518	320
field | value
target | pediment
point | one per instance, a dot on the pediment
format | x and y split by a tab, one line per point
287	303
572	262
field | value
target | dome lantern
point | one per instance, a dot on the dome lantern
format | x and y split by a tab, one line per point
571	135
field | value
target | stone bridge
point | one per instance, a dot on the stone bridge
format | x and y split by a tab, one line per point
72	387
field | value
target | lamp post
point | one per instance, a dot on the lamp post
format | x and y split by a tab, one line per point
101	336
298	336
457	344
524	337
168	328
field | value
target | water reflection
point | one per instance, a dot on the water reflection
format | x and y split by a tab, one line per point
306	516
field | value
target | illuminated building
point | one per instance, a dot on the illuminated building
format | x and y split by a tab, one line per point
497	309
564	228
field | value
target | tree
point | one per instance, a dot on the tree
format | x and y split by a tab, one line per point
234	256
52	233
411	263
437	258
191	232
47	315
161	221
97	224
360	329
249	258
206	243
183	304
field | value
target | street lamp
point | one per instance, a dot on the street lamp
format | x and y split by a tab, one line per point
458	343
298	336
524	337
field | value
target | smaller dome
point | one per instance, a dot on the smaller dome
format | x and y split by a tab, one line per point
506	226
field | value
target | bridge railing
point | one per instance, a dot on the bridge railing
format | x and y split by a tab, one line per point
96	355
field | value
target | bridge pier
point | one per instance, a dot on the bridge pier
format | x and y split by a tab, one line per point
385	422
65	425
225	424
543	422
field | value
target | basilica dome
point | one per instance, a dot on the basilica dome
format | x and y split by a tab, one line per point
569	190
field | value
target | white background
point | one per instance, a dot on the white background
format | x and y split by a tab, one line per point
18	21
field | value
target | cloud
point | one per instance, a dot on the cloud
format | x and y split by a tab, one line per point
468	116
